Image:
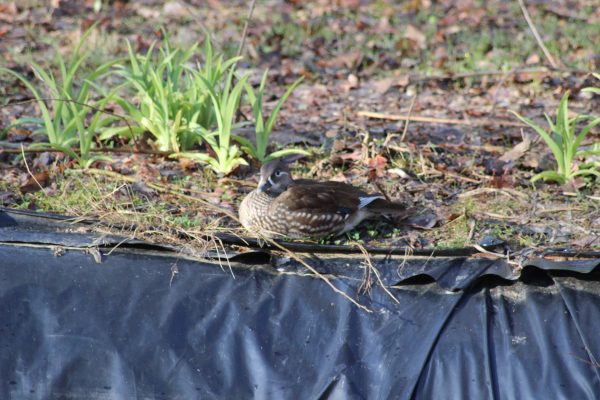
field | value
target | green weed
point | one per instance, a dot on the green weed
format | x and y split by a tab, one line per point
264	128
156	82
66	122
564	144
226	155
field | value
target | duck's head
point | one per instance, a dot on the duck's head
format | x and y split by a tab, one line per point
275	177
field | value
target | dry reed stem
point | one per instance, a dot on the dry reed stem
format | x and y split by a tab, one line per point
30	173
433	120
370	266
317	274
537	36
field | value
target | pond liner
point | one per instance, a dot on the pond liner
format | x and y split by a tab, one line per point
10	217
151	323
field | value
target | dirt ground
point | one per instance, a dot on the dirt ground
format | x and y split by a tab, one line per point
455	69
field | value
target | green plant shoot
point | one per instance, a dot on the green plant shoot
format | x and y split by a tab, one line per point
264	128
564	143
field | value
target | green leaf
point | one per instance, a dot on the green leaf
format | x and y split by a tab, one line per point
192	156
584	132
121	131
48	120
586	172
247	145
549	176
554	147
591	90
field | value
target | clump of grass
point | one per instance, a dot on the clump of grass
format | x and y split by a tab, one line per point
564	141
74	120
173	99
227	156
264	128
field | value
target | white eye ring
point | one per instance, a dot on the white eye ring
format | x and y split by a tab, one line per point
278	173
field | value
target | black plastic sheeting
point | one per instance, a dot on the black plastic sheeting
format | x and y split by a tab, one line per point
149	323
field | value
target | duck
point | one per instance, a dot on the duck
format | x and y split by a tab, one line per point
283	207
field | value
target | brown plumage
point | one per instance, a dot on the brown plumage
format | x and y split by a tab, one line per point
282	206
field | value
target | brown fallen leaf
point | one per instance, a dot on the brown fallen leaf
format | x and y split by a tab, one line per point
36	182
519	150
346	60
377	166
414	34
534	58
350	83
381	86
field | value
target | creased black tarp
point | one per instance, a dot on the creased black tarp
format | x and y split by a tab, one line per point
128	328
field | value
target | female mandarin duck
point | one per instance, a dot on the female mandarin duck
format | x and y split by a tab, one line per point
284	207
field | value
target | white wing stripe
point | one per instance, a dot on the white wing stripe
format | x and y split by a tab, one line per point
365	201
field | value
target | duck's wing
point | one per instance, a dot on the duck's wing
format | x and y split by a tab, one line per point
324	198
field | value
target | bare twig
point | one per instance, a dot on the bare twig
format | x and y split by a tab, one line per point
495	255
11	148
370	266
245	31
497	90
30	173
410	108
318	274
447	121
474	74
537	36
506	191
121	117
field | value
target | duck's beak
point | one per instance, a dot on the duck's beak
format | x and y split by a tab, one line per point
264	185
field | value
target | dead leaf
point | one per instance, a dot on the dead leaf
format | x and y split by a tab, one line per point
148	13
586	241
533	59
381	86
36	182
517	152
350	83
175	9
425	220
352	4
346	60
377	166
526	77
416	36
8	12
187	164
7	198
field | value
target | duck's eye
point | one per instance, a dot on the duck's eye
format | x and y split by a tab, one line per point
278	173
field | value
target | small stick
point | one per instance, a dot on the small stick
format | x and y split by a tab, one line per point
497	91
11	150
537	35
413	78
448	121
121	117
30	173
410	108
245	31
507	192
318	275
370	266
